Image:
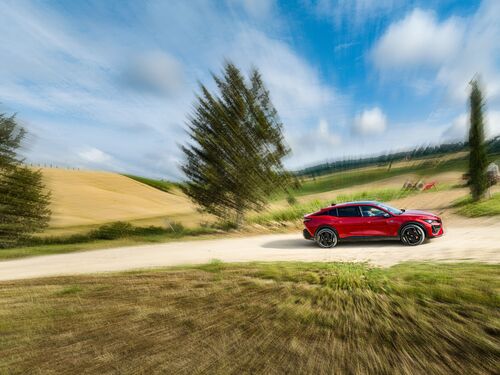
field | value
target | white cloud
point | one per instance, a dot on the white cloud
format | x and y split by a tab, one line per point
417	40
458	130
94	156
428	54
156	72
369	122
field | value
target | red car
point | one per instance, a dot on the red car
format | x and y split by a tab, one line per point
374	220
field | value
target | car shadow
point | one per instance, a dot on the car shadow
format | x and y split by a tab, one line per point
302	243
289	244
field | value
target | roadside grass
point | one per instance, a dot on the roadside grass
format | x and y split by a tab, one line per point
485	207
340	180
297	211
106	236
162	185
267	318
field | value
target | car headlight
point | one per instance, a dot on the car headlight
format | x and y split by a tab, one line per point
430	221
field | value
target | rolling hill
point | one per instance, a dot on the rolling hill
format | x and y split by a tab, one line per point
87	198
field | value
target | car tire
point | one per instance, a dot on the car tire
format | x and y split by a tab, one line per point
326	238
412	235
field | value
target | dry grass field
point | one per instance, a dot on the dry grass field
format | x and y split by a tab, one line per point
274	318
81	199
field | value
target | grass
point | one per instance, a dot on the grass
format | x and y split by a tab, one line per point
269	318
485	207
162	185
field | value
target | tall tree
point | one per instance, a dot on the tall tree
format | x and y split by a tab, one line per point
477	157
24	200
233	162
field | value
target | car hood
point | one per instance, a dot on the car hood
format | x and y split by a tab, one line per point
419	213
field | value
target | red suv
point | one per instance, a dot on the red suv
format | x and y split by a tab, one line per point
360	220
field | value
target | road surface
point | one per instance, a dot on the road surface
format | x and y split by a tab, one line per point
459	244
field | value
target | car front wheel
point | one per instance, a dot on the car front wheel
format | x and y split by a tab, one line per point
326	238
412	235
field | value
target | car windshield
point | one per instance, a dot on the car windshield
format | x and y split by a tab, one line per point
392	210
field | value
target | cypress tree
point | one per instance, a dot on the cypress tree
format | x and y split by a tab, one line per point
233	162
477	156
24	201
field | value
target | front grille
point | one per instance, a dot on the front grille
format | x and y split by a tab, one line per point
436	228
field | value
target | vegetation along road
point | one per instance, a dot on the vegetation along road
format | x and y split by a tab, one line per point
461	243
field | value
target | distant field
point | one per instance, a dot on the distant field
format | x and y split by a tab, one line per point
273	318
339	180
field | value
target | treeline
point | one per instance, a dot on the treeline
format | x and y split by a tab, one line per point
493	146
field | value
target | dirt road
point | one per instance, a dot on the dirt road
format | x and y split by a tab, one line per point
468	243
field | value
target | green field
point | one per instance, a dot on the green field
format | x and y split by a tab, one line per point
351	178
270	318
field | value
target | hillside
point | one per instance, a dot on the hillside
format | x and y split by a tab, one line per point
86	198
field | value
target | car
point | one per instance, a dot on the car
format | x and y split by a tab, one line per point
370	220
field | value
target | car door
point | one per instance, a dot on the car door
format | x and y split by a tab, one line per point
349	221
376	222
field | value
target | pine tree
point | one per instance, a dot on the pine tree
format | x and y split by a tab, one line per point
477	156
233	162
24	201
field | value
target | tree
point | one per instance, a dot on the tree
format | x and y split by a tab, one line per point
477	157
233	162
24	201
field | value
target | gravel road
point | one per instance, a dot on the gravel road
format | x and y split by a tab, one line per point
467	243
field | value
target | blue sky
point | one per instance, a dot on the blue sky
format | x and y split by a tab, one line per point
108	84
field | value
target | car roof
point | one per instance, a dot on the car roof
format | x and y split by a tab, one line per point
356	203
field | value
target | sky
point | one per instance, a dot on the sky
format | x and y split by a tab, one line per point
109	84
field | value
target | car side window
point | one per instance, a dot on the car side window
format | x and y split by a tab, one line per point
371	211
332	212
352	211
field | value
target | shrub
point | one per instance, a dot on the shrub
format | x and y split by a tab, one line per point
112	231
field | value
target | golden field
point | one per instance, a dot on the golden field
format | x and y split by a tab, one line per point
81	199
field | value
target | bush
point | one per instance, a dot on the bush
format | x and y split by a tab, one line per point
112	231
291	200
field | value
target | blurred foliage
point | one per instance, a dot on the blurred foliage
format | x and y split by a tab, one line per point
24	200
478	160
233	161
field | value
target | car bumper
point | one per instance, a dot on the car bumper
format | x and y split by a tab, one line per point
306	234
435	230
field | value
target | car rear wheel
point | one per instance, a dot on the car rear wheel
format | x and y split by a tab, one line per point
412	235
326	238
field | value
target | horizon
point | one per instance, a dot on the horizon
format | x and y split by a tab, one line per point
109	86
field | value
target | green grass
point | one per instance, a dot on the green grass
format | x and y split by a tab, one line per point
485	207
162	185
341	180
271	318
